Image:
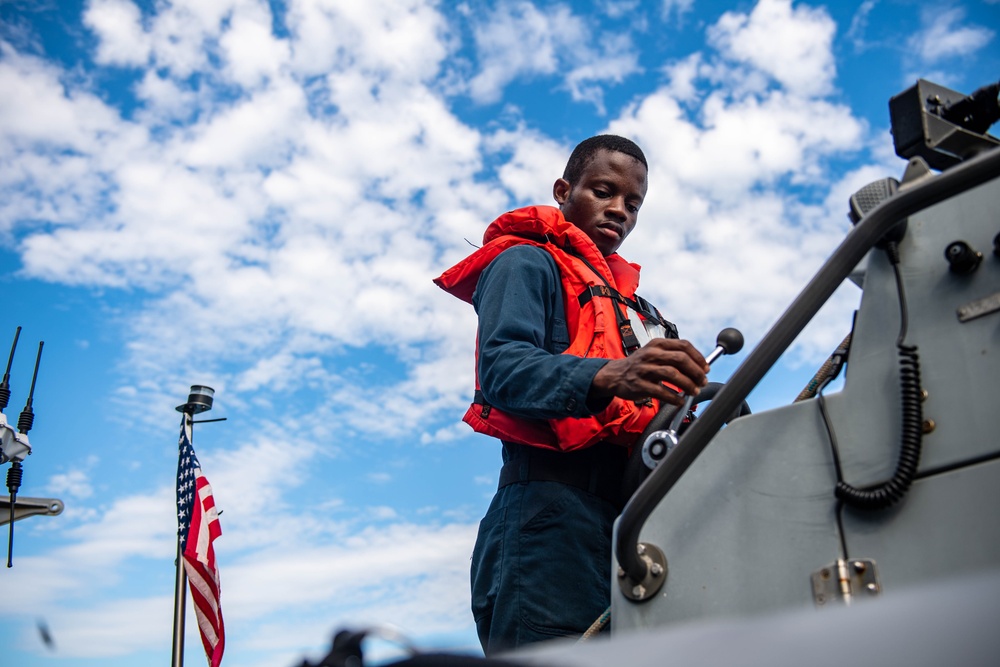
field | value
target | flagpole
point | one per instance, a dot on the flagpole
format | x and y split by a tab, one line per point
199	400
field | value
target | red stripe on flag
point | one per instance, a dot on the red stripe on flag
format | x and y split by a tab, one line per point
202	571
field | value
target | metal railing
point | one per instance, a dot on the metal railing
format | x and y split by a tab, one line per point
881	219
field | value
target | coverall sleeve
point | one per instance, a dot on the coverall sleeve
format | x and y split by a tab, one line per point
522	327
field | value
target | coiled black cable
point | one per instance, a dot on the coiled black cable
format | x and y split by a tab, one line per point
911	436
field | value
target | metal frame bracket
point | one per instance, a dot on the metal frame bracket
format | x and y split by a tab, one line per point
845	581
656	574
25	507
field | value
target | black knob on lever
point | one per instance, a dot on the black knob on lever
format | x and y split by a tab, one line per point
658	444
730	340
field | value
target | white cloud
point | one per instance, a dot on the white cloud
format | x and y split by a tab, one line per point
518	40
859	24
619	8
54	144
791	45
404	39
107	629
534	164
75	482
118	26
252	52
943	37
48	113
678	7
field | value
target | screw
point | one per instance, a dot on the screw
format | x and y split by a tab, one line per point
825	574
928	426
621	573
639	592
640	549
924	394
656	569
872	588
859	566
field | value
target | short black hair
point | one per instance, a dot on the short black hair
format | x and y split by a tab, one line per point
586	149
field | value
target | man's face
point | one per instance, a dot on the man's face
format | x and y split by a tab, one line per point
605	200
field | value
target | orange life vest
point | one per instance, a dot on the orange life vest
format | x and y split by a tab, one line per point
596	290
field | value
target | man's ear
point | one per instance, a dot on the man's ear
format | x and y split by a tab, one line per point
560	190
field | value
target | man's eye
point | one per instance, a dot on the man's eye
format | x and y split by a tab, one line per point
633	208
603	194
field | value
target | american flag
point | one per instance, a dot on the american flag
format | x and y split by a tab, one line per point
197	527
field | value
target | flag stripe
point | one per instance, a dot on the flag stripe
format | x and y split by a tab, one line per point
198	527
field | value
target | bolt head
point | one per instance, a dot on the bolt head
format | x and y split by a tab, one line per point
656	569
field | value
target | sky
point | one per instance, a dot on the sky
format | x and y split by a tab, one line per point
255	196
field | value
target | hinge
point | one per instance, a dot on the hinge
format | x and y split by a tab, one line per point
845	581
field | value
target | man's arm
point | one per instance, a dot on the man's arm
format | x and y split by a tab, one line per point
519	372
519	303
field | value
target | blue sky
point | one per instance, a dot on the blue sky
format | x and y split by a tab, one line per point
256	195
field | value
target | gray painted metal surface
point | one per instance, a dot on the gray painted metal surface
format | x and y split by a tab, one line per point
947	623
755	514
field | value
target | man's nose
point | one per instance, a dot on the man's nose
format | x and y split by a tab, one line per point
616	207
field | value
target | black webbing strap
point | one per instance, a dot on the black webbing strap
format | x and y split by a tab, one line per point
638	304
484	407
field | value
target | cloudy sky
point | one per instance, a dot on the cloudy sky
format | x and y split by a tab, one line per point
255	195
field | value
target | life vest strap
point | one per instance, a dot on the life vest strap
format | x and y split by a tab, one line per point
638	304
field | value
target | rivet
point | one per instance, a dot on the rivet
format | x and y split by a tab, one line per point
928	426
924	394
872	588
859	566
621	573
640	549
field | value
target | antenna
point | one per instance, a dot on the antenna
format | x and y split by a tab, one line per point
5	384
24	424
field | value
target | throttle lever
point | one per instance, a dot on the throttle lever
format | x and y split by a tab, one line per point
660	443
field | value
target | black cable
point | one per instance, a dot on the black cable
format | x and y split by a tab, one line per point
892	490
835	450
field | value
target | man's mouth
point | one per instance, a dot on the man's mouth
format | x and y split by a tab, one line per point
614	227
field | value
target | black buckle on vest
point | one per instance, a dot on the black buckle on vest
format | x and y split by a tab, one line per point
484	407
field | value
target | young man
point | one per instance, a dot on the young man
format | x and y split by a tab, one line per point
571	366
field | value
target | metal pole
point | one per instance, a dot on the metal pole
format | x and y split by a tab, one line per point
180	589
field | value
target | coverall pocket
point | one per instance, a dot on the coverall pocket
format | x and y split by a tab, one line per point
487	564
565	556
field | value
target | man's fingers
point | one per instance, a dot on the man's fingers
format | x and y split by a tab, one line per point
678	370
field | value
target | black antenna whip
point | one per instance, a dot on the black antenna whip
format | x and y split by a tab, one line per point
14	474
5	384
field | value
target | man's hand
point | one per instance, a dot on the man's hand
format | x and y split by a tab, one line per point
641	375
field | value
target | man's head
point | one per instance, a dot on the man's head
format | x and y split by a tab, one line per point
602	189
